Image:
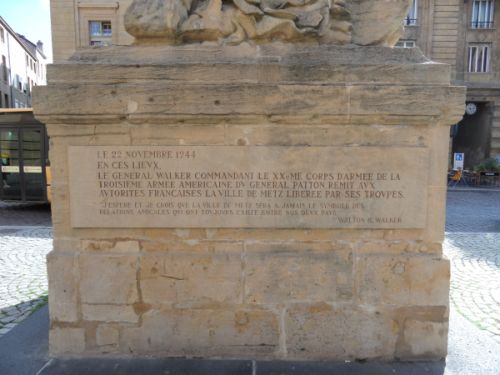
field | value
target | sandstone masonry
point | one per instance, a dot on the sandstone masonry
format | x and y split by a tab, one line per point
300	292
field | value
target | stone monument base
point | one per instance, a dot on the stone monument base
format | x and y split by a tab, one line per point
249	202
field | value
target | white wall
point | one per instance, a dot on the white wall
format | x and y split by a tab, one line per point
23	68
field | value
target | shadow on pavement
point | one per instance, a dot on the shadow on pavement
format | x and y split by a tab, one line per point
473	211
23	350
11	316
236	367
22	214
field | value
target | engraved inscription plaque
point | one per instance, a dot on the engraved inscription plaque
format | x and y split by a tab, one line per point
247	187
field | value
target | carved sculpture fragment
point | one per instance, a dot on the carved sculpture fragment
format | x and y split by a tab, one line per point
362	22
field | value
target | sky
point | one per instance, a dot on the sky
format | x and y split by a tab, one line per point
30	18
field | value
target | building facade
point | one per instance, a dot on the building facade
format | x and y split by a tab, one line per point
461	33
464	34
84	23
22	66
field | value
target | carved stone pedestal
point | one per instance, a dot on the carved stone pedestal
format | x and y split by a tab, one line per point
249	202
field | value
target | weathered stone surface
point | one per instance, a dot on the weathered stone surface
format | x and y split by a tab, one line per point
238	21
402	280
109	313
178	135
260	99
360	22
108	279
424	339
321	331
290	273
239	332
66	341
277	62
63	287
209	22
320	135
156	18
181	275
107	335
111	246
378	22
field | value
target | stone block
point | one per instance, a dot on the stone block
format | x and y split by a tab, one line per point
322	331
107	335
377	247
424	340
108	279
405	100
440	142
65	341
109	313
297	272
63	287
200	274
236	333
111	246
66	244
327	135
436	214
402	280
179	135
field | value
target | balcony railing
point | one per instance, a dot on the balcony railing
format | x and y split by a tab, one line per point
481	24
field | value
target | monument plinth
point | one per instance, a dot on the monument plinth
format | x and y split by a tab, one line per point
250	201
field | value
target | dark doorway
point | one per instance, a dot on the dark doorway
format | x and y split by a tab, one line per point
23	157
472	136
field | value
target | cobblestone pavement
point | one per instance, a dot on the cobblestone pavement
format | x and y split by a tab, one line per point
25	240
473	246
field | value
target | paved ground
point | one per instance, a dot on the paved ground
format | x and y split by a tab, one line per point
25	240
14	214
472	244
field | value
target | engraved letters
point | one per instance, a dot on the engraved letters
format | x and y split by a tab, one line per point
227	186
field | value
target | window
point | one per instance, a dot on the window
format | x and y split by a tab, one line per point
479	59
19	83
4	69
405	44
2	35
100	33
100	28
482	14
411	18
